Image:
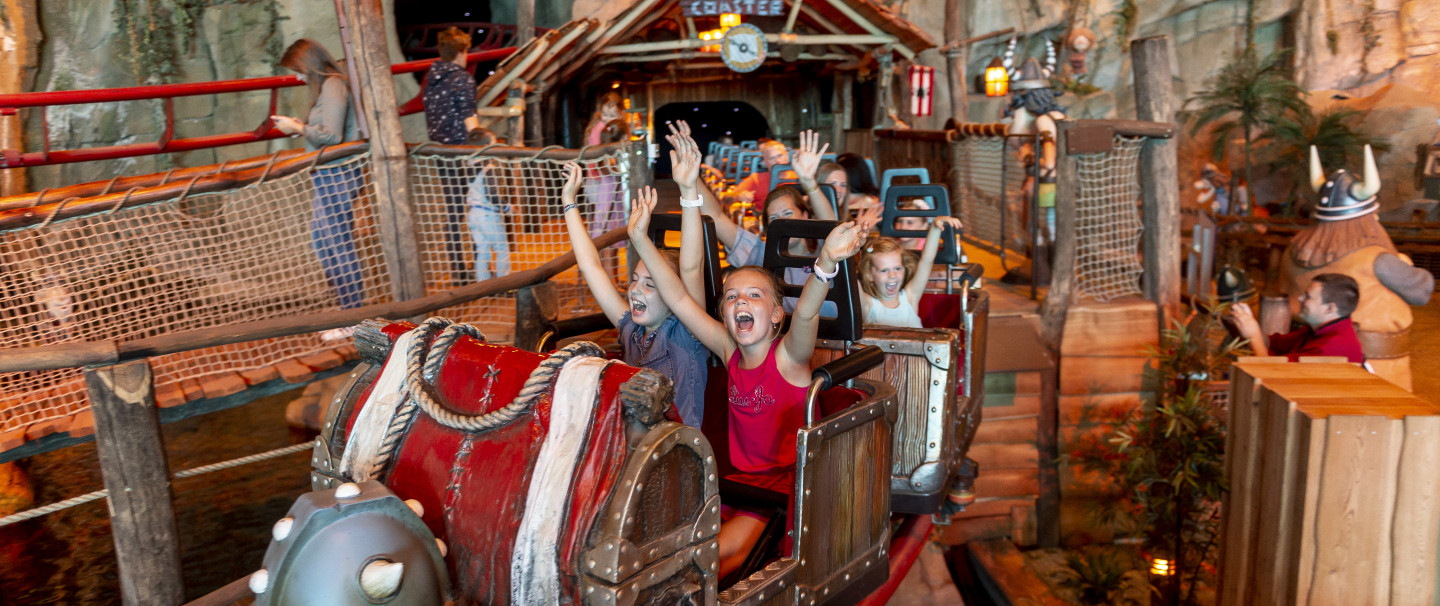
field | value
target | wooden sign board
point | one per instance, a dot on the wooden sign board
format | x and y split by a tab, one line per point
710	8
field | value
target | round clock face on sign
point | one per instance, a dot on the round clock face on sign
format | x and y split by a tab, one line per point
743	48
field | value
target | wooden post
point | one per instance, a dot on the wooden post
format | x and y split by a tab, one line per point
640	176
956	51
1160	187
838	101
536	306
1047	445
524	22
387	148
883	75
534	136
133	466
847	111
1062	273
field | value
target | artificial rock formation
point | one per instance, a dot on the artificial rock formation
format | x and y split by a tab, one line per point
85	45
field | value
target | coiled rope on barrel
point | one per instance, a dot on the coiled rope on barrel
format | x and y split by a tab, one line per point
204	469
423	366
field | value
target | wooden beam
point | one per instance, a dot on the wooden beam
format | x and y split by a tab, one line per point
805	40
687	55
524	21
134	469
50	357
956	30
389	167
838	101
884	75
1062	276
866	25
794	12
1160	187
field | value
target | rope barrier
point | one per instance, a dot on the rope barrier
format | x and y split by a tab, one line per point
188	473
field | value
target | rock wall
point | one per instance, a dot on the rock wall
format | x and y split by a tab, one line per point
83	45
1352	48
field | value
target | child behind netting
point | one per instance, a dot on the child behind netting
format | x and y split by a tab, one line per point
893	279
486	215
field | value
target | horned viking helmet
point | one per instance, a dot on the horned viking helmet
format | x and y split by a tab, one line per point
1030	74
1341	197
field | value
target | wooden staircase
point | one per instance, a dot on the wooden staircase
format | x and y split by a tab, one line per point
1100	379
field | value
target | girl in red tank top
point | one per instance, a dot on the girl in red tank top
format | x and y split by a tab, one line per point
769	372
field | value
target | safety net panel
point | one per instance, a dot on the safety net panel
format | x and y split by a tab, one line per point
289	245
993	203
1107	222
484	215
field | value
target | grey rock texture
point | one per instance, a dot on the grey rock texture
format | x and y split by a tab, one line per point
84	47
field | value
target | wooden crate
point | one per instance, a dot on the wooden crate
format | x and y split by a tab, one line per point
1333	489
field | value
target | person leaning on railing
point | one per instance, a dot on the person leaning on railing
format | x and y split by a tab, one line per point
331	120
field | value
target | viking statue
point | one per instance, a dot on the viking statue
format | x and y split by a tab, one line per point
1032	101
1348	239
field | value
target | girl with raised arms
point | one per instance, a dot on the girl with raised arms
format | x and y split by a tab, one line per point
769	372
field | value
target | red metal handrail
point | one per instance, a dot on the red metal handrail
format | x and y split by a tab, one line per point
11	104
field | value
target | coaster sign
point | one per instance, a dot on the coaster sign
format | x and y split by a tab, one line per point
711	8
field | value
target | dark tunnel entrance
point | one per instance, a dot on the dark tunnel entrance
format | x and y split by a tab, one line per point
709	120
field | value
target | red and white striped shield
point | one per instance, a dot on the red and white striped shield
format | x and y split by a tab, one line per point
922	79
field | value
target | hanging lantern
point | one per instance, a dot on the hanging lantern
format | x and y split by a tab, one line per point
997	82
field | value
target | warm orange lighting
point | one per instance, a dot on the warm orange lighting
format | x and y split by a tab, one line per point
997	82
1161	567
614	85
626	103
709	35
729	20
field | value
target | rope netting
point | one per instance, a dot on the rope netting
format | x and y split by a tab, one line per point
303	243
267	250
992	177
1107	222
481	216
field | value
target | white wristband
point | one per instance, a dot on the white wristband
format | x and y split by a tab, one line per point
825	277
698	201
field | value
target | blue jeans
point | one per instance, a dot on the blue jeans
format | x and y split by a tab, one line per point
487	228
331	231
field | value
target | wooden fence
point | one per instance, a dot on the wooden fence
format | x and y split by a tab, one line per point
1333	491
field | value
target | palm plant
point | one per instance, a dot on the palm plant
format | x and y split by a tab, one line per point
1249	94
1334	133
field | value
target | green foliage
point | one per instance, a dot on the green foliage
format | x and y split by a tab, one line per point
1334	133
1126	18
1074	86
1098	575
1249	94
1169	459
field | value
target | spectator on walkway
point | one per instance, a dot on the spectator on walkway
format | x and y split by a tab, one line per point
1325	309
601	187
449	115
487	216
331	120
